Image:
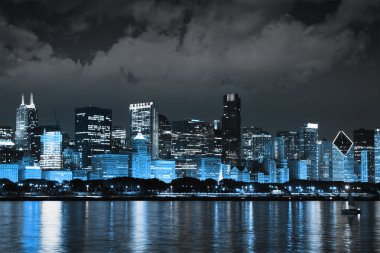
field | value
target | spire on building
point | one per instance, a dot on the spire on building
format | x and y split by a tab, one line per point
31	99
22	99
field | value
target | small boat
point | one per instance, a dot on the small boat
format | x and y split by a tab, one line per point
352	209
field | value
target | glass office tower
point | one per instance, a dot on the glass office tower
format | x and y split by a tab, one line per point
92	132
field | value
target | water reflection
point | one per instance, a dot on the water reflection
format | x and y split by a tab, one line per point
187	226
50	226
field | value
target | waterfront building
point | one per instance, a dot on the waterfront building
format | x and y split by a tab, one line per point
80	174
163	170
92	132
144	121
9	171
364	139
377	155
208	167
111	165
141	159
308	149
26	121
58	175
29	172
231	129
342	159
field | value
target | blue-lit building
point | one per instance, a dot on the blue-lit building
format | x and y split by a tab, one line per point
80	174
111	165
342	159
364	166
144	120
51	149
325	159
9	171
58	175
364	139
377	155
71	159
141	158
290	143
163	170
297	169
30	172
208	167
270	166
308	149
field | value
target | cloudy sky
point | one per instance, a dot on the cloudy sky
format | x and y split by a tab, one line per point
291	61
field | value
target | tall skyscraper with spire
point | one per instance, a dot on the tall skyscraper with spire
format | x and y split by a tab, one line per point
26	122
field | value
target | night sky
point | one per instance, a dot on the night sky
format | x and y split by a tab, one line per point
292	62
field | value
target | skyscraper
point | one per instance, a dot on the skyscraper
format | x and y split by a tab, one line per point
51	148
6	138
308	149
377	155
144	120
325	159
191	137
118	139
231	129
92	132
342	159
165	137
364	140
26	121
291	143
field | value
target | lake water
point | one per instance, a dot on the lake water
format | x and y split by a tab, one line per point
187	226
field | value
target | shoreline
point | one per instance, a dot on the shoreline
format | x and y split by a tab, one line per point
183	198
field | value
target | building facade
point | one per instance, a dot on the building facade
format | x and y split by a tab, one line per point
308	149
342	159
93	126
26	121
144	120
231	129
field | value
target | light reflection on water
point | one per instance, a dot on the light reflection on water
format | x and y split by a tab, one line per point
224	226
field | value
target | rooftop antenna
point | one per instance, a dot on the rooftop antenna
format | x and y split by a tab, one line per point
31	99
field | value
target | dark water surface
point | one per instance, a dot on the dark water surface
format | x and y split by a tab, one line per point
187	226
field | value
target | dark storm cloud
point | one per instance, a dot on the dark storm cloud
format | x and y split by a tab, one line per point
117	52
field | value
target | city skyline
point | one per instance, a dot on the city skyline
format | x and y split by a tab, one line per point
291	62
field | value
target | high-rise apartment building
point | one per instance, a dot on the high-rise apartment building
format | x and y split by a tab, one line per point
92	132
231	129
144	120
